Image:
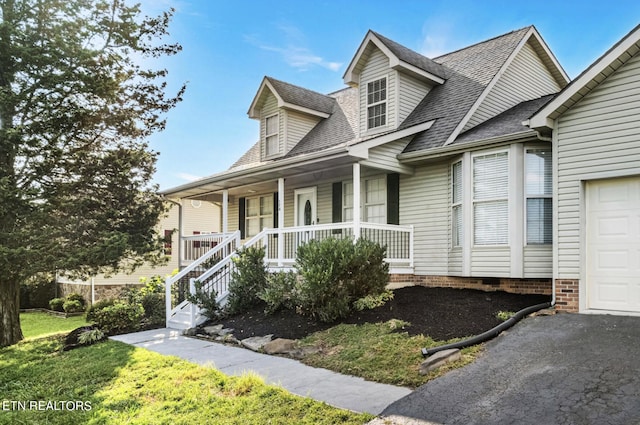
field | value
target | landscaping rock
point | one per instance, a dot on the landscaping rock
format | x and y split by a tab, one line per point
302	352
280	346
190	332
225	331
213	330
256	343
438	359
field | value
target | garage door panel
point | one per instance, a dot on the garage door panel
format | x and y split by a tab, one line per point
613	244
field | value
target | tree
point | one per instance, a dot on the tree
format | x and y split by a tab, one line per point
76	111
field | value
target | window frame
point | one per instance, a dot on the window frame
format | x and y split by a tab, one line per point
457	233
376	105
268	135
259	217
528	195
491	200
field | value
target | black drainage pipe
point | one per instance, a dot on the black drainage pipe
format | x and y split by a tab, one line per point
490	333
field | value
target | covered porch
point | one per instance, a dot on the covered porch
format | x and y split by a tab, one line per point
286	207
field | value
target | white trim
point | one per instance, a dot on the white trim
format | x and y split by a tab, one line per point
396	64
356	201
467	213
516	209
313	190
225	211
280	207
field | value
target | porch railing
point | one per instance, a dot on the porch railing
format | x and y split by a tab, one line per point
282	244
194	247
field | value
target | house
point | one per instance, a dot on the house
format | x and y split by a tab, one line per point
429	157
200	224
594	128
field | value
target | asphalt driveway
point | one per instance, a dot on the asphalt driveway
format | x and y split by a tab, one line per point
562	369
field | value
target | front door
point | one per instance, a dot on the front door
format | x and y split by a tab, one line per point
305	206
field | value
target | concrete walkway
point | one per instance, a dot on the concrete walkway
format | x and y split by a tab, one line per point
338	390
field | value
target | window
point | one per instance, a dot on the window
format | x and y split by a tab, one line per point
168	238
347	201
272	143
377	103
491	199
375	200
538	179
456	204
258	214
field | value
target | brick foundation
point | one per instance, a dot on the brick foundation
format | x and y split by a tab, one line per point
567	295
515	286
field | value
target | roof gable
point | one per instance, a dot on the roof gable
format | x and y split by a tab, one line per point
291	97
400	58
472	74
614	58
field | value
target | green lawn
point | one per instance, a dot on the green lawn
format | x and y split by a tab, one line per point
36	324
124	384
380	352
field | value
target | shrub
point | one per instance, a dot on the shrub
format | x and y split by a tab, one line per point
205	300
119	317
336	272
154	308
91	311
76	297
247	280
72	306
372	301
91	336
280	291
56	304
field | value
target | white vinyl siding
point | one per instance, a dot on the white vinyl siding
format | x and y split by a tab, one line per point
297	126
385	157
411	92
425	204
538	261
491	199
377	67
492	261
526	78
598	137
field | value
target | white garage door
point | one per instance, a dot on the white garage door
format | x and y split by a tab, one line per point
613	244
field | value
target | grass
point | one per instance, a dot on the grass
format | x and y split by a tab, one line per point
124	384
378	352
37	324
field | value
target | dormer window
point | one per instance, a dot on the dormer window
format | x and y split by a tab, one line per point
272	142
377	103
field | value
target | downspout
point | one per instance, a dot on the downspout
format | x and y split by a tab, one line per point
490	333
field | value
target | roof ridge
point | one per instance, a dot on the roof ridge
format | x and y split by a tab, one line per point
484	41
296	86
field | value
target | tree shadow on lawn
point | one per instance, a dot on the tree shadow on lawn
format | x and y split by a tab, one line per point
440	313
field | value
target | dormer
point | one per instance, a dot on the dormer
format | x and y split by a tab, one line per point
286	113
392	80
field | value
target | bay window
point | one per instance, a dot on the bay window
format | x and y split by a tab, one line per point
538	193
491	199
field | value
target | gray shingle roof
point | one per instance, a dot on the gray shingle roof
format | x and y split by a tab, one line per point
507	123
469	71
411	57
302	97
252	156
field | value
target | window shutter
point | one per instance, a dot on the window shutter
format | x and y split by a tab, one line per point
336	203
393	198
241	216
275	210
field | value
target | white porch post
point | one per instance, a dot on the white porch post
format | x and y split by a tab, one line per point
225	211
356	201
280	222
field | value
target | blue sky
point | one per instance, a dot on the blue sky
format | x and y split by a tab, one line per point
229	46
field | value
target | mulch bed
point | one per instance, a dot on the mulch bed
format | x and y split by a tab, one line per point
441	313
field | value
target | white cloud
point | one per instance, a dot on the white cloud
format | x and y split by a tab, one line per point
295	54
188	177
437	37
